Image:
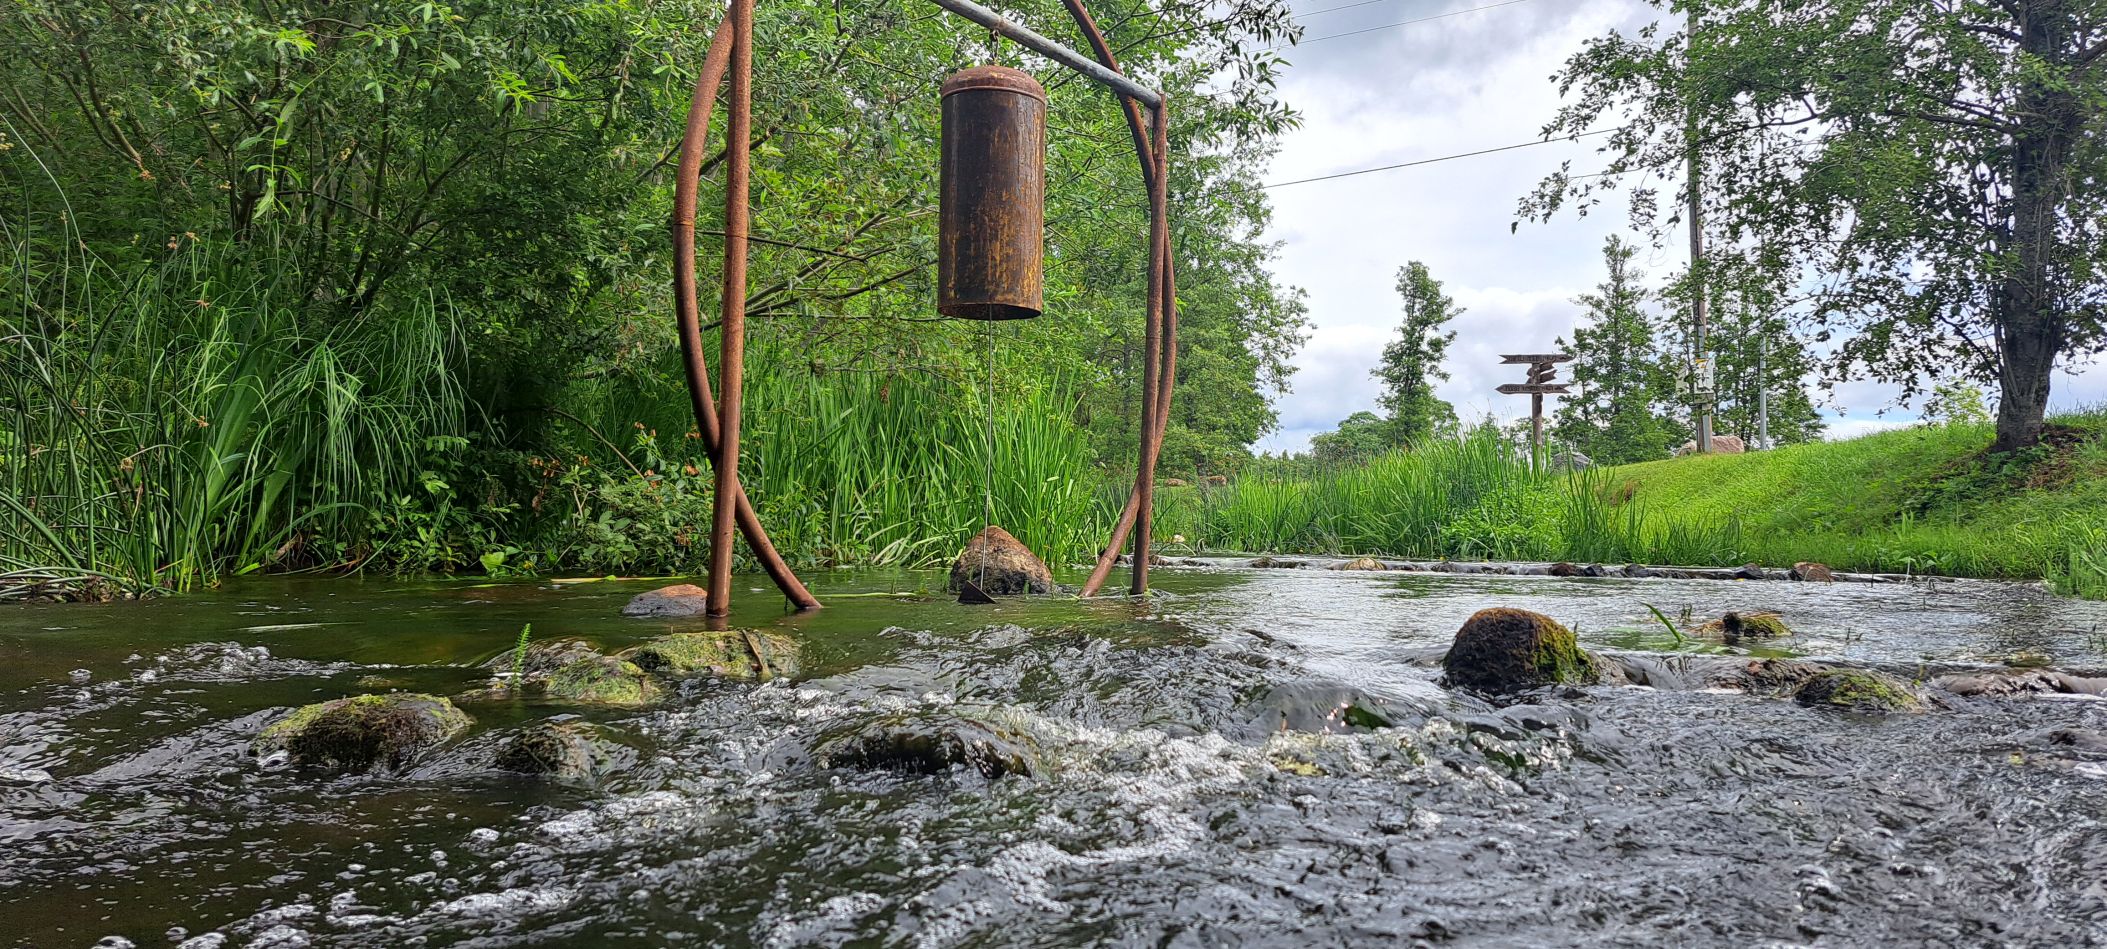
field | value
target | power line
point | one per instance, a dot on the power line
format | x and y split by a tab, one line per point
1343	6
1390	26
1409	164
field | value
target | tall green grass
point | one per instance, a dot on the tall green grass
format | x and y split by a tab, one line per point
1476	498
169	423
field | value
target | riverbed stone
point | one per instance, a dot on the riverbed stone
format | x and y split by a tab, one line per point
1362	563
564	749
1812	572
1277	563
363	732
1504	649
1000	565
680	599
601	680
1751	571
932	743
1563	569
726	654
1858	690
1744	625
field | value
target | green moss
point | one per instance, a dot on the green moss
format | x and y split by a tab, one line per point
1503	649
1559	657
732	654
603	680
1858	691
1761	625
362	731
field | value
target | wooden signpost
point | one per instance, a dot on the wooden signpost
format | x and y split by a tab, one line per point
1542	369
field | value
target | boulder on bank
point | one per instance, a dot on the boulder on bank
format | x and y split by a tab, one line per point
363	732
1363	563
1858	690
931	743
728	654
565	749
1812	572
1505	650
680	599
1000	565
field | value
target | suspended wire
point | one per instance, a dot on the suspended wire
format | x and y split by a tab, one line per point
1343	6
1410	164
1389	26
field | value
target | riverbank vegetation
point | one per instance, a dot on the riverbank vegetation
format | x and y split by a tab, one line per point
1922	500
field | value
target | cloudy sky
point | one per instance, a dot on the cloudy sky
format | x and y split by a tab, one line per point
1457	84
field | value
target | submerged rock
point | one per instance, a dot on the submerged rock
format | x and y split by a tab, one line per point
1277	563
2006	683
931	743
568	749
1000	565
603	680
1858	690
1769	676
363	732
1563	569
1504	649
1363	563
1753	624
1808	570
730	654
680	599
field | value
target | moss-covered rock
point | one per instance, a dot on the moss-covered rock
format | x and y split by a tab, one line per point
730	654
603	680
1858	690
1767	676
1504	649
1363	563
931	743
999	565
363	732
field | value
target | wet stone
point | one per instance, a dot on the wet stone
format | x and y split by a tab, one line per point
1000	565
601	680
1769	676
729	654
1563	569
363	732
680	599
1858	690
1276	563
1746	625
565	749
1809	571
931	743
1363	563
1504	650
1750	571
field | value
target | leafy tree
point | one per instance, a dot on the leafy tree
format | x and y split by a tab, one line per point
1956	402
1753	349
1361	436
1411	363
1616	417
1933	165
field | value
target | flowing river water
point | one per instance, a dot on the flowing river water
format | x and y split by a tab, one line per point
1194	781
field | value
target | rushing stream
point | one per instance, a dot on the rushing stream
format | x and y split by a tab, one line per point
1194	783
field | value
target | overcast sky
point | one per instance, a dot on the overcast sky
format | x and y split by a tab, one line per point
1462	83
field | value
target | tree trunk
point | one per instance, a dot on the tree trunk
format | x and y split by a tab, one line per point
2031	324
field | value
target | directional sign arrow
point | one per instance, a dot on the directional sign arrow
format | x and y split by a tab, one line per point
1527	358
1516	388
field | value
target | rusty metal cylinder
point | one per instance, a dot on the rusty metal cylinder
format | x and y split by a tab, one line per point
990	240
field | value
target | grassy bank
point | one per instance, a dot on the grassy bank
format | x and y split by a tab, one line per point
1919	500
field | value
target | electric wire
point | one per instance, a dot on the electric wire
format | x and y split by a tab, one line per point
1389	26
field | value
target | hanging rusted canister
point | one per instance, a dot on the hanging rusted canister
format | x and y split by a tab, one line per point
990	241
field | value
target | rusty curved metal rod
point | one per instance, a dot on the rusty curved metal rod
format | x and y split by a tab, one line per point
1162	317
731	318
688	316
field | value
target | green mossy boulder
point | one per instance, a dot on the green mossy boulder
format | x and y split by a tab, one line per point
1738	626
363	732
1506	650
730	654
602	680
1858	690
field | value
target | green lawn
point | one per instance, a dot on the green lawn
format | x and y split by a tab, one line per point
1919	499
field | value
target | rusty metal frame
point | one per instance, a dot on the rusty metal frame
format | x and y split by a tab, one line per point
717	420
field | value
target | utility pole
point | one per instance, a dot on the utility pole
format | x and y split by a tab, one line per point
1698	310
